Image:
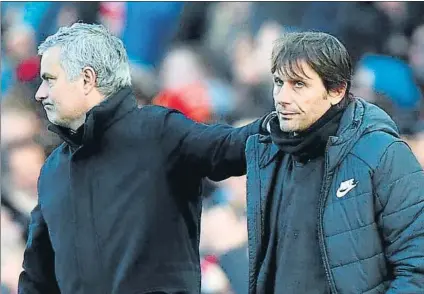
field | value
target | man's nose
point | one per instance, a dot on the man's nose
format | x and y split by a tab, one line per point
41	93
283	96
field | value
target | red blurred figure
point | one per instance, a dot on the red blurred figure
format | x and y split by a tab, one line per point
192	100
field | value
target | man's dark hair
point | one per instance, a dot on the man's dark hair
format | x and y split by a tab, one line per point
326	55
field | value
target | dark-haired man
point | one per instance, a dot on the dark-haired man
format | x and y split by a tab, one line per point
335	198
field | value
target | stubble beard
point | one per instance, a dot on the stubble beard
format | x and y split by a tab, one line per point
292	125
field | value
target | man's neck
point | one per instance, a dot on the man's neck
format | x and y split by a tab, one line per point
76	124
95	99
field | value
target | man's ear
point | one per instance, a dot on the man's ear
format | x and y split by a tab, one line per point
336	95
89	78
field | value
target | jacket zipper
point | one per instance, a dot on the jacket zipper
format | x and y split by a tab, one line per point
259	226
77	150
323	197
78	264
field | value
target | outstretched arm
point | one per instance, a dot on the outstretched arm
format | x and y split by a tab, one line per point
214	151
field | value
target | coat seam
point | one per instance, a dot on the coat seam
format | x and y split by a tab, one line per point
391	184
346	199
358	260
351	230
370	289
409	206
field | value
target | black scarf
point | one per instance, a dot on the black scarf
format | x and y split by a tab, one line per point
310	143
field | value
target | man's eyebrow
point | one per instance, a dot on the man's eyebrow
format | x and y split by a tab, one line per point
294	78
46	76
300	79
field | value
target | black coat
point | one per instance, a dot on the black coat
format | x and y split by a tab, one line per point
120	212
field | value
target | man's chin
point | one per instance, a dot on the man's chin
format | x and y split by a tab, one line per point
51	120
289	128
55	121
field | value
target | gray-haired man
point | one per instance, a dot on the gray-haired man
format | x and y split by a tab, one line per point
119	205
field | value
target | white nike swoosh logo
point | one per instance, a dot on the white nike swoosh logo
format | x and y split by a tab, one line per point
345	187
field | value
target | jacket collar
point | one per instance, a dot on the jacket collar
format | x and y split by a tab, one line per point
266	157
99	118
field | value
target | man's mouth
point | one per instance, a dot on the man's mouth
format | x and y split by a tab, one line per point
287	113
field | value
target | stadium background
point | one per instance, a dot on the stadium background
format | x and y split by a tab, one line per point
210	60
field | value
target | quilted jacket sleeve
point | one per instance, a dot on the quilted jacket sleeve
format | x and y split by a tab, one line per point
399	185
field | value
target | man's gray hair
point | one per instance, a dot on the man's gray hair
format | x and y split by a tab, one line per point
91	45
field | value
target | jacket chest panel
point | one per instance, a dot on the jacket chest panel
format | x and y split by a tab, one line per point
351	216
54	196
82	193
351	203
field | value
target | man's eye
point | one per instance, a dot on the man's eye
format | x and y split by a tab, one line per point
278	82
299	84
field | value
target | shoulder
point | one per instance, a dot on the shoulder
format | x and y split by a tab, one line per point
155	111
158	115
146	119
57	154
254	143
372	146
53	161
149	113
260	150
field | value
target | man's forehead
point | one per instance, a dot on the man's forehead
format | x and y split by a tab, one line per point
48	70
52	51
50	61
295	69
51	56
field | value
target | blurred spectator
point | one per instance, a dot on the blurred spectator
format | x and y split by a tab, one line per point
286	14
25	160
252	77
20	61
18	123
22	157
148	29
403	17
384	27
12	249
224	229
189	87
19	43
193	22
227	22
416	54
88	11
389	83
112	16
213	278
45	17
362	28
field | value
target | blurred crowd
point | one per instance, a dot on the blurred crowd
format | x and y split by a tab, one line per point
210	60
